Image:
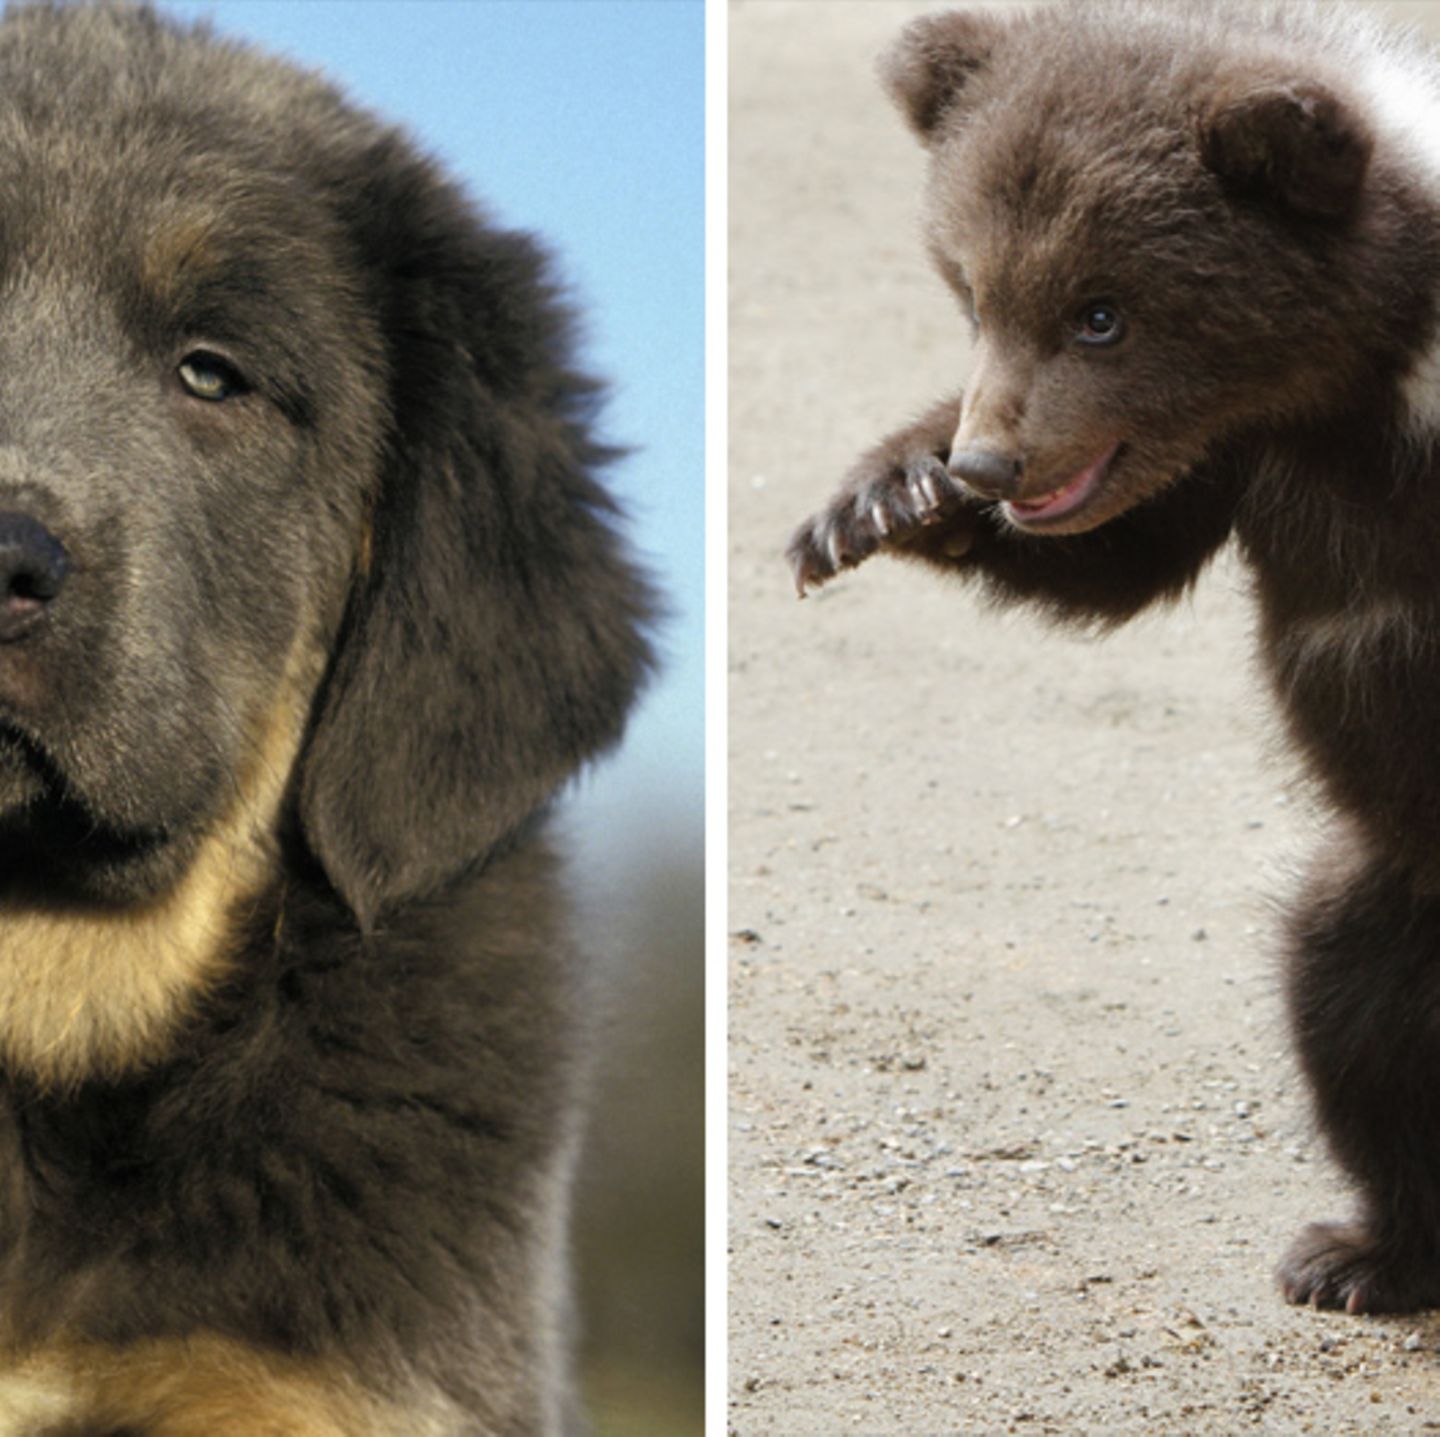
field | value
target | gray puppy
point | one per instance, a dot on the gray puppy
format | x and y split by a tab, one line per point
309	600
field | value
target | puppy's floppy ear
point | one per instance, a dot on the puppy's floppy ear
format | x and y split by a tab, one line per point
1293	141
495	639
930	65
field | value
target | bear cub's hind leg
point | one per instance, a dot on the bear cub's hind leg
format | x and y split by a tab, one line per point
1364	990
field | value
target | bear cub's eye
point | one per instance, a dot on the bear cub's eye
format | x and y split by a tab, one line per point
208	376
1100	323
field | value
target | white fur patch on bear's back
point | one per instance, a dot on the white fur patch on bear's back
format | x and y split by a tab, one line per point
1406	97
1400	80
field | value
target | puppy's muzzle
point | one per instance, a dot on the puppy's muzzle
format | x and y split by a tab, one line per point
33	569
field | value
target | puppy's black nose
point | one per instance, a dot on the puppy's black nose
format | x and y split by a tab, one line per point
990	475
33	566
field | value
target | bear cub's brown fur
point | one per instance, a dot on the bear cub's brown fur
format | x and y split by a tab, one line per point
1201	248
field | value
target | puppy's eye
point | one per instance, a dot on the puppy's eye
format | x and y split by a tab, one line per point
1100	323
207	376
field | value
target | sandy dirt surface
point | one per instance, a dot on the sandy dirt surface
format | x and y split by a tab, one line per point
1016	1140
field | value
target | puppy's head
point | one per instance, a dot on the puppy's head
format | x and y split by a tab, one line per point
297	510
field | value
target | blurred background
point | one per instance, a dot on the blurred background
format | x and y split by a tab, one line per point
583	121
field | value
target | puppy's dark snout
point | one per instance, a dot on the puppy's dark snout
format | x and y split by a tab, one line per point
990	475
33	567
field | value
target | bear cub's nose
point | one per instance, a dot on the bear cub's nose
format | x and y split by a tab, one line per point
990	475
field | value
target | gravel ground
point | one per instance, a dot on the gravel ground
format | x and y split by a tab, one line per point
1016	1140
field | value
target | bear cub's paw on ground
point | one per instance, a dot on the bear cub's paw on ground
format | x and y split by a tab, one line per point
1333	1264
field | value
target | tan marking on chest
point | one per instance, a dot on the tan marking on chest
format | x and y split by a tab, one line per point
95	991
205	1387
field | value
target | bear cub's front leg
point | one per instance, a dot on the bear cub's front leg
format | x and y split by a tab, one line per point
899	496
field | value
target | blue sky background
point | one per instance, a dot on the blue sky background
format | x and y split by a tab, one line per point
583	121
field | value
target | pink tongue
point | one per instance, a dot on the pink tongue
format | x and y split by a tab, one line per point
1056	500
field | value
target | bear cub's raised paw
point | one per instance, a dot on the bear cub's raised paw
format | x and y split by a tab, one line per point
884	503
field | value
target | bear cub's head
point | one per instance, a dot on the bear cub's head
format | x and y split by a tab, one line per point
1169	233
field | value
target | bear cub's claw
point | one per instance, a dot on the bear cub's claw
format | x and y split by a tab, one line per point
919	498
1335	1264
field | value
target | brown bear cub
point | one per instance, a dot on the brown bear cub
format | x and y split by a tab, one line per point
1201	249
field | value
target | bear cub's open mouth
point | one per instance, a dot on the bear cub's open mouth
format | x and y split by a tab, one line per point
1070	497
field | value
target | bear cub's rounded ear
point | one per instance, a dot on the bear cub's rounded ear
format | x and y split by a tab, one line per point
1292	141
929	66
